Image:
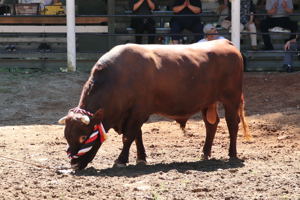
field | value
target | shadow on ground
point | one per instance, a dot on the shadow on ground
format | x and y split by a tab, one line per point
181	167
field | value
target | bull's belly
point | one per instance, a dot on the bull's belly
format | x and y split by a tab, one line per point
176	110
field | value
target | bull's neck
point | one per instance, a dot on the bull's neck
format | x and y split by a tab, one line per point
88	104
87	100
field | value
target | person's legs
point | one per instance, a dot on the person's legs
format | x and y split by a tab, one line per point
197	27
286	23
288	57
176	28
138	25
150	27
264	27
253	37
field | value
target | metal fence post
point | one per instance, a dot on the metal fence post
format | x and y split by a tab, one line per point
235	23
71	41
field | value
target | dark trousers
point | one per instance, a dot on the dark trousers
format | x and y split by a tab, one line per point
140	25
283	22
195	26
288	55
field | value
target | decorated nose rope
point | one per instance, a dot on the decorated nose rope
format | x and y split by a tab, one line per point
98	133
87	145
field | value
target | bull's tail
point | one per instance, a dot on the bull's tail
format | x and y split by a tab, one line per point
247	135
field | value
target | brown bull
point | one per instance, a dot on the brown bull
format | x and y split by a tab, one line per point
131	82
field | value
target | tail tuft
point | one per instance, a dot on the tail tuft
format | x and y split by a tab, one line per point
247	134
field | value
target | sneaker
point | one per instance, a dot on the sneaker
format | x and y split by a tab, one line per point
8	48
47	48
42	47
13	48
289	68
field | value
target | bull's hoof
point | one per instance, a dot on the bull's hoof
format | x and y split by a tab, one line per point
141	162
118	164
204	157
235	159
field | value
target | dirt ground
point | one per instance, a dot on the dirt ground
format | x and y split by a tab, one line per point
32	147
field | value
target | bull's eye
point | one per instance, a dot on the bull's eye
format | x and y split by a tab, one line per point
82	138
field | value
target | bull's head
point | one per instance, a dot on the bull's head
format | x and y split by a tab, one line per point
84	133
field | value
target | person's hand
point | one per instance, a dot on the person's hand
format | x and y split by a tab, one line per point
275	5
284	4
251	20
222	7
287	45
187	2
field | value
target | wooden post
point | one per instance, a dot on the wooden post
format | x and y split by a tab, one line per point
111	22
235	23
71	41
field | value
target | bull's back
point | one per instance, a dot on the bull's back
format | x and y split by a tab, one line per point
191	77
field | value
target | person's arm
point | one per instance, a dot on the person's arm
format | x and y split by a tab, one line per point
151	4
137	5
194	9
223	6
252	11
177	9
273	10
286	7
288	44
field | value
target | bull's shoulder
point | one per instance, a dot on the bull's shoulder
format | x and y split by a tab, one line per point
218	47
214	44
110	56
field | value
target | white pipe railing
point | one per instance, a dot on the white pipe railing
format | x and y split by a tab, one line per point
235	23
71	38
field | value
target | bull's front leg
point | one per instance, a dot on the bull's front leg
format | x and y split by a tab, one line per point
127	140
141	154
133	131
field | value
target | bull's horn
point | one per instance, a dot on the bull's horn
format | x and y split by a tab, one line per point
85	119
62	120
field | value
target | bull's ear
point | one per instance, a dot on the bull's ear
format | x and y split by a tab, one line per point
98	116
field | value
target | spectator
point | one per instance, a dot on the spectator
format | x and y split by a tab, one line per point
192	23
141	24
45	47
5	10
291	45
247	10
260	8
278	11
222	10
211	33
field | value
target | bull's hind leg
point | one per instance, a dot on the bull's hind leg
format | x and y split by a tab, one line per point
232	120
211	120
